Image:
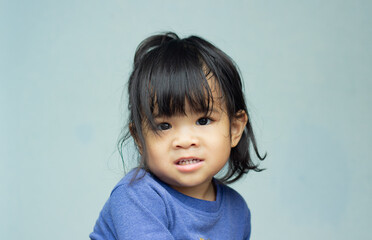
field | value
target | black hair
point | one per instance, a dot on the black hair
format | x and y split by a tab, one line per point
167	72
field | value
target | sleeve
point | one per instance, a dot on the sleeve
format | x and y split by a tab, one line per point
130	214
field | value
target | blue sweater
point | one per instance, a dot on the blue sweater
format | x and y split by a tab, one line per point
150	209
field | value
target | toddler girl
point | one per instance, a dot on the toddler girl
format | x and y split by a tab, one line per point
189	120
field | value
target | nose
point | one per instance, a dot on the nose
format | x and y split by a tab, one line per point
185	138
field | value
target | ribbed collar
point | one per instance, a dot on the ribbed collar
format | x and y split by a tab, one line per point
194	203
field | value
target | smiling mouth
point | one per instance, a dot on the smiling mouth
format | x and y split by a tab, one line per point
188	161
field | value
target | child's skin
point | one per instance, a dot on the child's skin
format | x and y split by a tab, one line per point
194	136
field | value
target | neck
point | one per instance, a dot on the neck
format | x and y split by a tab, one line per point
205	191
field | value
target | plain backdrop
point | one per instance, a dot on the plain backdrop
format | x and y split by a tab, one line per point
307	68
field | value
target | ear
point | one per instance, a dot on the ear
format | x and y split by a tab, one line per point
238	124
133	132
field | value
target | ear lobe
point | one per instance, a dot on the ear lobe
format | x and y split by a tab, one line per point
238	124
133	132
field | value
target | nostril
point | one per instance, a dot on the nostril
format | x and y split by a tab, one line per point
185	142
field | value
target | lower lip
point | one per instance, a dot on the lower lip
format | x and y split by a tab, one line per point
189	167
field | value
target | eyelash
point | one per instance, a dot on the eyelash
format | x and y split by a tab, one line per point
166	126
204	118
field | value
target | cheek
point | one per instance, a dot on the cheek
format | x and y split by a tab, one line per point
156	149
222	132
220	141
151	147
152	158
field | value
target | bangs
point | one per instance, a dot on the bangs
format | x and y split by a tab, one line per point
174	75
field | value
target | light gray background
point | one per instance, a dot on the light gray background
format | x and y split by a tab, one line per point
307	71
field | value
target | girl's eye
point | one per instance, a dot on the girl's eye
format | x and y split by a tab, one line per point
203	121
164	126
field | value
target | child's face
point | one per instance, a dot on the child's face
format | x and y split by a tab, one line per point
190	149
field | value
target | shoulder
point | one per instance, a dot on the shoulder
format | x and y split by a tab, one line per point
235	205
137	185
232	199
231	194
132	207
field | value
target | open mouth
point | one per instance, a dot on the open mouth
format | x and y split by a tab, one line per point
188	161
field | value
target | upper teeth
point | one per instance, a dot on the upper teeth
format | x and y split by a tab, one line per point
188	161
